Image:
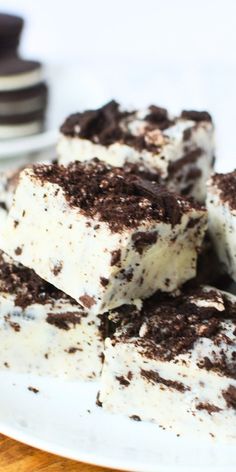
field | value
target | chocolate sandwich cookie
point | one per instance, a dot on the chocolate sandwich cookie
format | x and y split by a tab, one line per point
10	31
19	103
16	73
23	97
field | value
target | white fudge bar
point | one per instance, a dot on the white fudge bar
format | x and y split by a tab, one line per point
42	330
221	205
179	151
103	236
174	363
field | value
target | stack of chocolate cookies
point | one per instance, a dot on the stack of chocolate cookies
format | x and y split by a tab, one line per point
23	92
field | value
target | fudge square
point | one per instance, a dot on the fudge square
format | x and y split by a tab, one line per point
177	150
221	205
103	236
174	363
42	330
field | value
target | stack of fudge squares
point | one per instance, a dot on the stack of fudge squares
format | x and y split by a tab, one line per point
98	270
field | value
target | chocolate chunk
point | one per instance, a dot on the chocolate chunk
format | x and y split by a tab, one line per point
87	301
3	206
230	396
115	257
135	418
101	125
164	200
18	251
196	115
33	389
72	350
64	320
98	402
143	239
153	377
227	186
158	116
104	281
209	407
123	381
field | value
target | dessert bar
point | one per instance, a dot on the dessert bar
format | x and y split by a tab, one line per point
173	362
177	151
102	235
43	331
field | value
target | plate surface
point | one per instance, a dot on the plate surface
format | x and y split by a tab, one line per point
62	418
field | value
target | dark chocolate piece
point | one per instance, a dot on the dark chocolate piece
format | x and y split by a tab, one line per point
33	389
209	407
196	115
226	183
230	396
154	378
27	286
64	320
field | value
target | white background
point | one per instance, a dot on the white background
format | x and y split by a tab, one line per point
176	53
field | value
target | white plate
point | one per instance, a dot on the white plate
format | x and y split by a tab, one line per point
29	144
63	419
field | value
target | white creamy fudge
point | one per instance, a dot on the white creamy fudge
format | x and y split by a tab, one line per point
221	205
178	151
42	330
103	236
174	363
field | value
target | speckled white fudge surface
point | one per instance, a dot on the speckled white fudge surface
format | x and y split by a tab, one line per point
180	150
221	205
175	365
103	236
43	331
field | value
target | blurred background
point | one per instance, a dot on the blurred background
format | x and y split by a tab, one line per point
177	54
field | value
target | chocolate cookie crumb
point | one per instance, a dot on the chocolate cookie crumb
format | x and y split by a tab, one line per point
154	377
135	418
230	396
33	389
87	301
210	408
